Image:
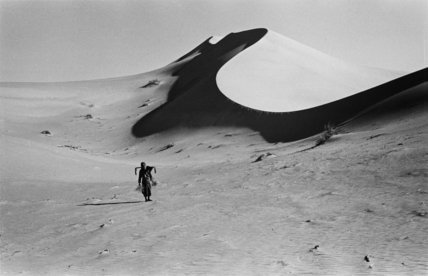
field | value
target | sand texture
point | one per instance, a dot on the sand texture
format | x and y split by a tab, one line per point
231	128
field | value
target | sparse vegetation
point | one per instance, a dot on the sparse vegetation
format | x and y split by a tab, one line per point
422	214
231	134
313	249
71	147
46	132
166	147
375	136
215	147
151	83
329	131
264	156
87	116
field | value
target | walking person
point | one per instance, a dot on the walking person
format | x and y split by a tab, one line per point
145	179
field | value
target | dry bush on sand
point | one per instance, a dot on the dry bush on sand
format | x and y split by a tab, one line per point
151	83
329	131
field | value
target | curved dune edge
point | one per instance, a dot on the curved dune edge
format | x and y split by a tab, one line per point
195	100
215	39
278	74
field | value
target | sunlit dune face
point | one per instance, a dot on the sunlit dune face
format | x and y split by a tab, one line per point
278	74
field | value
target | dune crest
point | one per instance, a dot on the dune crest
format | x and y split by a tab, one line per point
228	83
278	74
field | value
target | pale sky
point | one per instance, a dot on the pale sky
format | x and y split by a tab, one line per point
76	40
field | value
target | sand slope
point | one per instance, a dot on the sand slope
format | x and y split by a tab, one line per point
67	199
362	193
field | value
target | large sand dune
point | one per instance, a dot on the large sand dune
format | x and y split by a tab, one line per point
67	199
216	88
279	74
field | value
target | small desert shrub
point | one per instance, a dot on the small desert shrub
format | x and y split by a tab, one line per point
329	131
151	83
264	156
166	147
70	147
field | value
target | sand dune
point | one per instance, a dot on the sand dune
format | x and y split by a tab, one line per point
212	89
278	74
68	152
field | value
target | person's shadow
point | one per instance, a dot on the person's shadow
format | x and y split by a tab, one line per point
109	203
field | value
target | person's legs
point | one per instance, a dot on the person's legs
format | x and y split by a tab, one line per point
143	191
146	191
149	191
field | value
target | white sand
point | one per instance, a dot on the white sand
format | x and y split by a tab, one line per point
281	75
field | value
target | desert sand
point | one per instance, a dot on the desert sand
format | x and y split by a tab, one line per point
230	127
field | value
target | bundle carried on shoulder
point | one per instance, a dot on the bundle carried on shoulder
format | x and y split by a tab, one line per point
139	188
151	183
154	182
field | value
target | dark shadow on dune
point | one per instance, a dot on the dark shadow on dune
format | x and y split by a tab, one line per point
109	203
210	59
195	100
410	100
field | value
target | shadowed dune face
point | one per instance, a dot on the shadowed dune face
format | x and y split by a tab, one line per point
214	109
210	58
195	100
